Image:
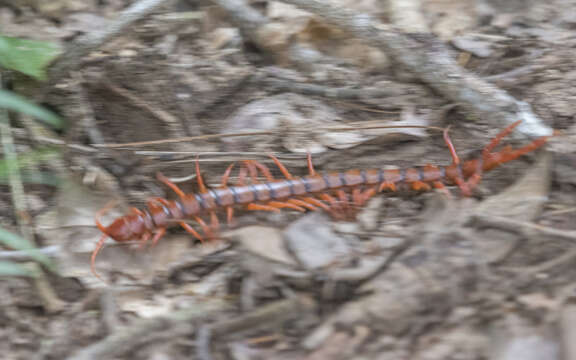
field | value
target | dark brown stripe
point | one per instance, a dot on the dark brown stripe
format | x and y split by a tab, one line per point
215	197
254	192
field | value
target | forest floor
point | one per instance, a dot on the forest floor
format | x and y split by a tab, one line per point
425	276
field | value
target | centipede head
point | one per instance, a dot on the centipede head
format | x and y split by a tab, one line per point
122	229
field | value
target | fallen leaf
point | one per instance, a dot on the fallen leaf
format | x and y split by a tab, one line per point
525	198
263	241
315	244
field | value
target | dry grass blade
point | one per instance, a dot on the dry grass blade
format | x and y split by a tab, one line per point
258	133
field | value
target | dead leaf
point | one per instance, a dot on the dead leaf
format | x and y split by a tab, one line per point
263	241
291	117
525	198
314	243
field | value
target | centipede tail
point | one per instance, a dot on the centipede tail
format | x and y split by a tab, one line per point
338	193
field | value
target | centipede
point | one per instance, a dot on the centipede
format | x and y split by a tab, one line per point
337	193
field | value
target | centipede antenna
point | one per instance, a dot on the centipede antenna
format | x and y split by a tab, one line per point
95	253
101	213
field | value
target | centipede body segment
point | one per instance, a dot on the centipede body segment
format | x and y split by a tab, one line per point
338	193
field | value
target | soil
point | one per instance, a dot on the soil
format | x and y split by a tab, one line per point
411	276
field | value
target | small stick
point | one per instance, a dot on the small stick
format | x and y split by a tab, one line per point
522	227
72	58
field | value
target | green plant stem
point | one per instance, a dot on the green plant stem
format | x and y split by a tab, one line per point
13	172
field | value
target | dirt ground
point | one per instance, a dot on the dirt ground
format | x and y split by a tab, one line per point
424	276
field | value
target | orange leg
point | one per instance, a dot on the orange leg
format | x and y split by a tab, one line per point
420	186
201	185
264	170
170	184
281	166
207	230
330	199
463	185
310	164
226	176
316	202
224	184
192	231
357	198
214	223
346	207
440	186
342	196
242	176
459	181
448	141
387	186
368	194
336	210
144	240
283	205
252	171
254	207
159	234
230	216
303	204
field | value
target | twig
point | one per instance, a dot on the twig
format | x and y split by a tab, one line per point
530	271
72	58
425	56
335	92
521	75
259	133
527	229
277	312
51	302
88	121
183	139
170	120
145	331
268	315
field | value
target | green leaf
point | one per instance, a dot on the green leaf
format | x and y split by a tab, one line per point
27	160
17	242
29	57
8	268
15	102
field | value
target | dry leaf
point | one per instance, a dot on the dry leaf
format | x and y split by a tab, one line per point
314	243
263	241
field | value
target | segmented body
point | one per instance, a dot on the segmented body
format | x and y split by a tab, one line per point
339	193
